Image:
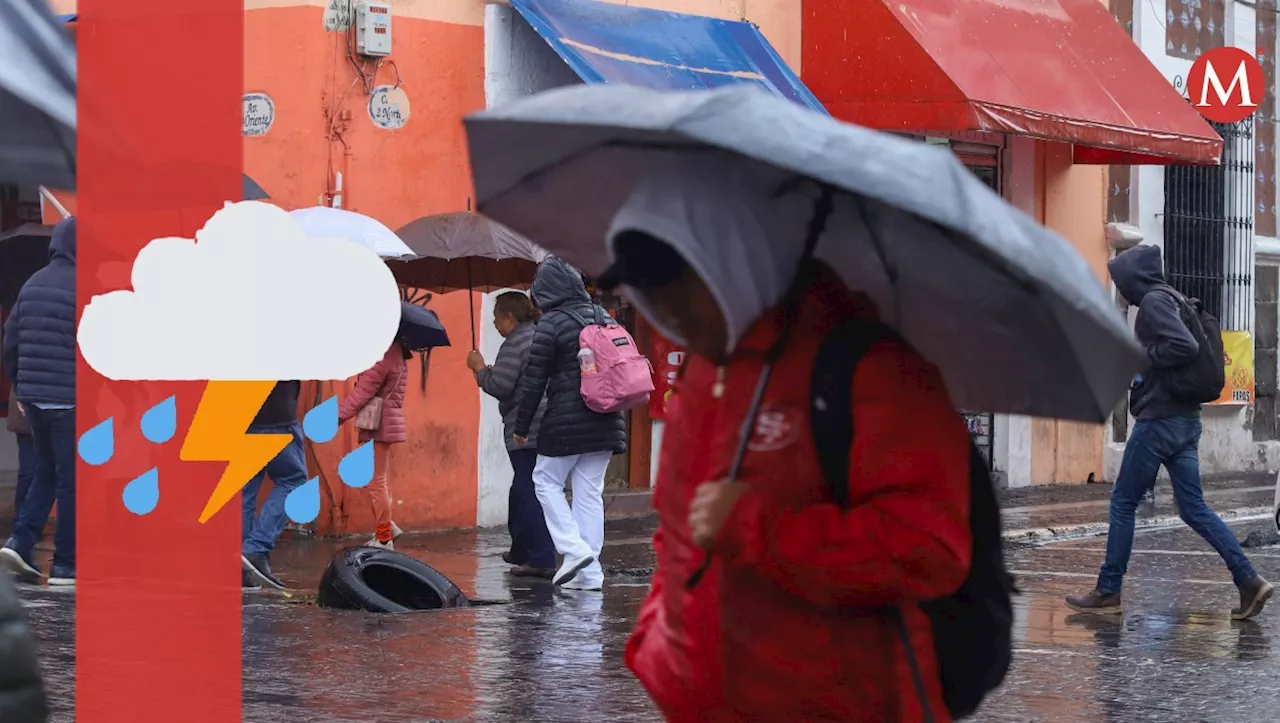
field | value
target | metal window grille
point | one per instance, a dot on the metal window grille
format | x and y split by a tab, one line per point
1208	229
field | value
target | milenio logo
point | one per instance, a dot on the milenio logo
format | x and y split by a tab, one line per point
1226	85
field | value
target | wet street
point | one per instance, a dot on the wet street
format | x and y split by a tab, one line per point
557	656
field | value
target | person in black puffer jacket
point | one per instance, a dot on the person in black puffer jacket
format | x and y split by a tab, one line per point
22	697
39	356
574	443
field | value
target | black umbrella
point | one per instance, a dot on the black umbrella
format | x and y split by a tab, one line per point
252	191
420	328
22	252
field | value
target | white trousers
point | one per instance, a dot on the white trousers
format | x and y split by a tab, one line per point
577	531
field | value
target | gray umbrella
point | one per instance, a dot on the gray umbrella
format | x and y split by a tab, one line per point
1012	315
37	96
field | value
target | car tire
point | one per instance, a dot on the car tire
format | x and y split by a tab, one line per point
385	581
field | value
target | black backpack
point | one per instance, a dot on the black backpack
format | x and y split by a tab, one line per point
1202	380
972	628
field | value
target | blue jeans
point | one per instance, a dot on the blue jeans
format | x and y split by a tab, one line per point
530	541
288	471
27	461
1174	443
53	435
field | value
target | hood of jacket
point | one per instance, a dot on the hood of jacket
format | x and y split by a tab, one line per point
556	284
62	246
1136	272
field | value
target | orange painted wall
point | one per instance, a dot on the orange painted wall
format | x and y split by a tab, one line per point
322	126
1073	203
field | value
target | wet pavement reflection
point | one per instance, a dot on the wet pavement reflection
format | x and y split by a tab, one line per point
545	655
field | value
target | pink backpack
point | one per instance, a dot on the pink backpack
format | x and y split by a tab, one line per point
615	376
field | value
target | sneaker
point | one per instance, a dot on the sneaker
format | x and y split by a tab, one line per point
388	545
62	575
545	573
581	583
258	566
1253	595
571	567
22	568
249	583
1096	602
396	532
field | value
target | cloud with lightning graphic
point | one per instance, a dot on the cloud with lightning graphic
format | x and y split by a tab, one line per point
251	300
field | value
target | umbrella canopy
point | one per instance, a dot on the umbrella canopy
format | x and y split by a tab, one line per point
325	222
466	251
23	251
420	328
1011	314
37	96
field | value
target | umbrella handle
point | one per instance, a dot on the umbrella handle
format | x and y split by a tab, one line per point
471	304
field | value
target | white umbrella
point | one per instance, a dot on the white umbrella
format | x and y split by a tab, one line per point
325	222
37	96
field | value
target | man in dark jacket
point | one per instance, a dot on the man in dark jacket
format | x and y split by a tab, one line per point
22	697
1166	432
574	443
288	470
40	358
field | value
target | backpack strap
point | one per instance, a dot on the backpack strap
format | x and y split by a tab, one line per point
831	423
831	402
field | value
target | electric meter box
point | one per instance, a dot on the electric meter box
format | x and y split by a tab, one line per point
373	29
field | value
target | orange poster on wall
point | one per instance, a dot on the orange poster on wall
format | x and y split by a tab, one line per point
1237	352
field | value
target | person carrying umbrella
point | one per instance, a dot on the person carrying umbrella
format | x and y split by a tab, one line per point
532	552
377	404
768	633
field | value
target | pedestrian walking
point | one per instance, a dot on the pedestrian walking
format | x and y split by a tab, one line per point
1166	432
17	423
39	356
288	470
575	444
22	694
377	404
532	552
798	613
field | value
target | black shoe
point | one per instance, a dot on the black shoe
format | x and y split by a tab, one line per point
1095	602
1253	595
258	567
62	575
510	558
21	566
248	582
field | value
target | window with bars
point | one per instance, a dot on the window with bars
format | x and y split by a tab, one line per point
1208	229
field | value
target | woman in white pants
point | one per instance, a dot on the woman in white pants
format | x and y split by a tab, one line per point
574	443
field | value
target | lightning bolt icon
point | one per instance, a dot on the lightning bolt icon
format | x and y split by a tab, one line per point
219	433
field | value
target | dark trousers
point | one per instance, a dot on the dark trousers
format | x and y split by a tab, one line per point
26	472
53	433
1175	444
530	542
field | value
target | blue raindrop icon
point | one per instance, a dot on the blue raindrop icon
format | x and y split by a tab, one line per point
160	422
356	469
303	504
98	443
321	423
143	492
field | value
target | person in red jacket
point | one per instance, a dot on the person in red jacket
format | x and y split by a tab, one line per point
790	621
386	379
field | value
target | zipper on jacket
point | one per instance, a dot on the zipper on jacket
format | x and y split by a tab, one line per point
717	389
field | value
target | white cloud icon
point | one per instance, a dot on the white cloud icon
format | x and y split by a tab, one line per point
252	298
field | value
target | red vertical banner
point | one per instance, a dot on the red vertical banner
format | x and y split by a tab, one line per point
159	150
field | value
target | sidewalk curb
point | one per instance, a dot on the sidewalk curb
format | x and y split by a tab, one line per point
1044	535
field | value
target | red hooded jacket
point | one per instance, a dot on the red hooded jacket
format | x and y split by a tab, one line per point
788	624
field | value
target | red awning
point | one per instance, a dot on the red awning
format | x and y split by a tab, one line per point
1061	70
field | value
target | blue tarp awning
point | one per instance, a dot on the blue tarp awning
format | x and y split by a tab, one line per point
607	43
